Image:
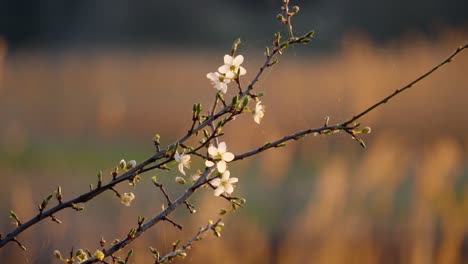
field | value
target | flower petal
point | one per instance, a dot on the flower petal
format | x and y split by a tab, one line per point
216	182
181	168
223	87
230	75
185	159
228	156
221	165
212	76
209	163
238	60
228	59
233	180
224	69
219	191
228	188
226	175
177	156
212	150
242	70
222	147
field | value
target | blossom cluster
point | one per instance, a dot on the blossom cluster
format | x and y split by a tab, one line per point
231	70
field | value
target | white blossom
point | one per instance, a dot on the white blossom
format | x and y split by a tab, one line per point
219	81
127	198
220	155
232	66
183	160
259	112
224	184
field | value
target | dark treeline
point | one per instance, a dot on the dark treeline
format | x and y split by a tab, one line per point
52	24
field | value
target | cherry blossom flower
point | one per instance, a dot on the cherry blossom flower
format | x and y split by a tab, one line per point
259	112
232	66
127	198
219	81
183	160
224	184
220	155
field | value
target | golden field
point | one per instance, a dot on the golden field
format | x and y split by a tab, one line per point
320	200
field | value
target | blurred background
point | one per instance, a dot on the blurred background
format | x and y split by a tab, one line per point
84	84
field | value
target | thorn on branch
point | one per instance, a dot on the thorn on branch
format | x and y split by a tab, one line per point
55	219
116	192
173	223
190	207
141	220
163	190
22	246
76	207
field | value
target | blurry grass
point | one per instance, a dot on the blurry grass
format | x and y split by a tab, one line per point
323	200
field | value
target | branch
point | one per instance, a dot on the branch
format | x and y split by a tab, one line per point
162	216
409	85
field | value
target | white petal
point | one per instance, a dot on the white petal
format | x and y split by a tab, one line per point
242	70
181	168
228	59
222	147
177	156
223	87
216	182
229	188
185	159
212	76
228	156
212	150
230	74
209	163
221	165
226	175
238	60
218	191
233	180
257	118
223	69
218	85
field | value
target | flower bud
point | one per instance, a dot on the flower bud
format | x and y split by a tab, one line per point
295	9
131	164
182	254
180	180
122	164
57	254
366	130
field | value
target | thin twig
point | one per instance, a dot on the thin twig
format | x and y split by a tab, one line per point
409	85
